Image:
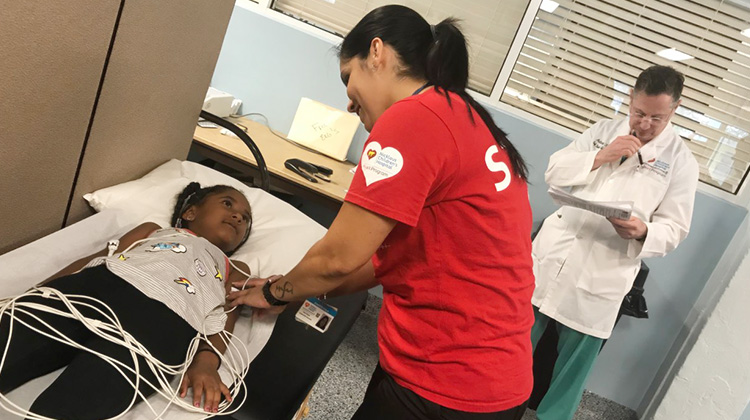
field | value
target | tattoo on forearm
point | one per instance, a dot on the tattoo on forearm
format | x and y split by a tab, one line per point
283	290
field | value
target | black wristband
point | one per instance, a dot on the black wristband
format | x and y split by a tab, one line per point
270	298
212	351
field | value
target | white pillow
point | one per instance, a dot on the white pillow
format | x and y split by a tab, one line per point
281	234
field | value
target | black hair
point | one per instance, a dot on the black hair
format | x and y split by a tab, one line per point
657	80
437	54
193	195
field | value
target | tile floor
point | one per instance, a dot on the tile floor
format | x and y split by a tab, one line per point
341	387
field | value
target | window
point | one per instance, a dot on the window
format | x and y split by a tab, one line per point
489	25
581	57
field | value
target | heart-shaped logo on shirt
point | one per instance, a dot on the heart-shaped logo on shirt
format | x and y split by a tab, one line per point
380	163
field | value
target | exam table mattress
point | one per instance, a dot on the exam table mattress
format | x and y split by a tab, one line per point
285	360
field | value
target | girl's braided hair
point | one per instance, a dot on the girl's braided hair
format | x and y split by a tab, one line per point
193	195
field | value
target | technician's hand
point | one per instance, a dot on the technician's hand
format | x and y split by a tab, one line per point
203	376
629	229
255	282
249	283
621	146
253	296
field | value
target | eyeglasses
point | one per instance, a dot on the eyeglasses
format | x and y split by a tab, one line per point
640	116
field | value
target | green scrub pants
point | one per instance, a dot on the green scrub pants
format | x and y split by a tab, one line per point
577	353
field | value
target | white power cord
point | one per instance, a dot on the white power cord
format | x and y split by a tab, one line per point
236	359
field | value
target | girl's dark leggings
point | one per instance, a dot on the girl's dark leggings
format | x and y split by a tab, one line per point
90	388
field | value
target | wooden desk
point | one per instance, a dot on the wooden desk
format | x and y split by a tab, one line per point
232	152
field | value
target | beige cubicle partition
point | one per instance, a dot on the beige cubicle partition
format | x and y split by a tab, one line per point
53	55
93	93
161	65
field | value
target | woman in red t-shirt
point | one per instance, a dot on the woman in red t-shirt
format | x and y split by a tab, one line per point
438	213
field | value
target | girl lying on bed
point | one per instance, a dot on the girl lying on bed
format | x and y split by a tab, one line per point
164	285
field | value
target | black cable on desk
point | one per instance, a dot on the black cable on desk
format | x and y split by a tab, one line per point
265	177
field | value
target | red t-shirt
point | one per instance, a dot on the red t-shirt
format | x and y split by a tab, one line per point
456	271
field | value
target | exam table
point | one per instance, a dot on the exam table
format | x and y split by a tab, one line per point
287	358
286	369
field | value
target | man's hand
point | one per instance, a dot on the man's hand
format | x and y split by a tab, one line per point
621	146
629	229
203	377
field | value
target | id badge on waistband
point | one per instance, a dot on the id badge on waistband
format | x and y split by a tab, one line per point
316	314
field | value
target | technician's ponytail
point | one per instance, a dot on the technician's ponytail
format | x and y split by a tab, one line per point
448	70
447	58
435	53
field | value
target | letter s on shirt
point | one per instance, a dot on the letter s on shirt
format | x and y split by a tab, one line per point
497	167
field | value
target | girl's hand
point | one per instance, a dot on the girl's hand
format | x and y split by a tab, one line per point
203	377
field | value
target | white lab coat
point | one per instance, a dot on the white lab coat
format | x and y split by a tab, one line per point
583	268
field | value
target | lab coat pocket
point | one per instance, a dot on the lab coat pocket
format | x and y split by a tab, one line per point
651	188
553	228
605	271
545	270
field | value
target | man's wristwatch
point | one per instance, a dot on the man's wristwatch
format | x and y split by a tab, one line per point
270	297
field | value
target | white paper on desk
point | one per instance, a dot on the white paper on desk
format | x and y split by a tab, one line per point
616	209
323	128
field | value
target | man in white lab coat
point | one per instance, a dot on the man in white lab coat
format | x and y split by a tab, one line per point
584	263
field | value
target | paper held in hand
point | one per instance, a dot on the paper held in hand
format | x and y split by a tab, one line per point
323	128
616	209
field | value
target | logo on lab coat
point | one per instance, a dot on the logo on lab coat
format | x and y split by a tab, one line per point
379	164
658	167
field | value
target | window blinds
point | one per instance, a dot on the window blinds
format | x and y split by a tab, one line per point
489	25
579	62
